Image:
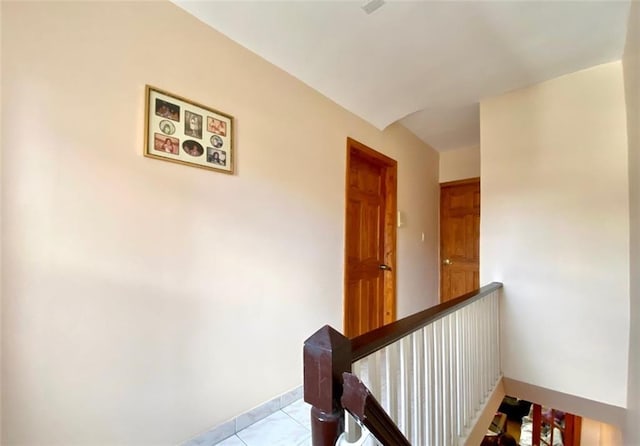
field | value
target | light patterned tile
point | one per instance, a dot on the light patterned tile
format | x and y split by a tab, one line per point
278	429
232	441
299	411
305	442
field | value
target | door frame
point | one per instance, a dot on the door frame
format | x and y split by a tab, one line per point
466	181
390	225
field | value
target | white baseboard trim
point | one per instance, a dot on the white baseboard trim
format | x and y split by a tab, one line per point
228	428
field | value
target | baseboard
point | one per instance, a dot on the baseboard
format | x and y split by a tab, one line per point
227	429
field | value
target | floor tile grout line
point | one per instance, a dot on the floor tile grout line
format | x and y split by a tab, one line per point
307	430
247	427
296	421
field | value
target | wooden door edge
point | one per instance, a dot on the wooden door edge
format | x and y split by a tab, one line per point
345	266
390	241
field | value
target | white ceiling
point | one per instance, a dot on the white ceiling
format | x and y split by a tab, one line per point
426	64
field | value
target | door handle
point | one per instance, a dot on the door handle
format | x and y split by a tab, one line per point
385	267
447	262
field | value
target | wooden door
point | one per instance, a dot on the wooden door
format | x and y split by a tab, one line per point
370	239
459	238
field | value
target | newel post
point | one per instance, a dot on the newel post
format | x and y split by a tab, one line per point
327	355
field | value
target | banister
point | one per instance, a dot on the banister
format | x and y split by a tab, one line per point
330	388
360	403
368	343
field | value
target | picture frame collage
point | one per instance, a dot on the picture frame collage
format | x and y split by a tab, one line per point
185	132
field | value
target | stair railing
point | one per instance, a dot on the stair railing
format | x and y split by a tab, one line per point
421	380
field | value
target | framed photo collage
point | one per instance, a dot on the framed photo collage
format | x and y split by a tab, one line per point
185	132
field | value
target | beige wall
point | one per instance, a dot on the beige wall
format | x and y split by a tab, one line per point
631	63
145	301
459	164
555	231
595	433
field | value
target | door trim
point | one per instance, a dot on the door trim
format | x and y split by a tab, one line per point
390	225
460	182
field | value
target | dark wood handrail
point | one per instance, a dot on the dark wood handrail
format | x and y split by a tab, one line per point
368	343
328	356
360	403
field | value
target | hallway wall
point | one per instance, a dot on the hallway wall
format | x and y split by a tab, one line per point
555	230
144	302
459	164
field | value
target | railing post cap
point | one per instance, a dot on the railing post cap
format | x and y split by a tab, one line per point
327	354
327	338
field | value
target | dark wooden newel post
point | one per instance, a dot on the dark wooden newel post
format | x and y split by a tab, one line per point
327	355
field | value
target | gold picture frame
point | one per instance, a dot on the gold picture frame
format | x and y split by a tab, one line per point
185	132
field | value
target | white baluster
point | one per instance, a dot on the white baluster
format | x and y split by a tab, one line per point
478	361
439	382
352	429
392	380
430	385
496	328
459	375
419	420
345	440
453	371
356	368
384	380
489	338
486	356
467	367
482	340
495	337
372	377
409	393
403	412
446	385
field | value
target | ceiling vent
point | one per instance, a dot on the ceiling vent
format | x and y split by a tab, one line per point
372	6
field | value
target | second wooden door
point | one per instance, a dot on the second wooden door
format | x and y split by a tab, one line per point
459	238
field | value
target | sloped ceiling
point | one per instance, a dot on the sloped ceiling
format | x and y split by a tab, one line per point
425	64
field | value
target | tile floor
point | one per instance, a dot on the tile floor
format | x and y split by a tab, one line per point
290	426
